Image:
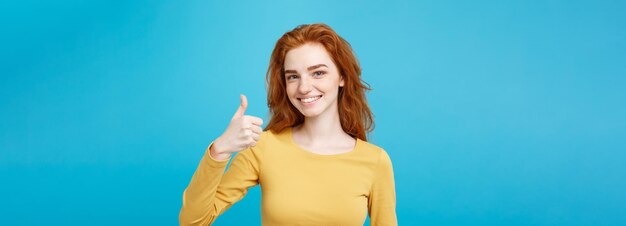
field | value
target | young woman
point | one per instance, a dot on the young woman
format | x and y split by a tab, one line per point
312	160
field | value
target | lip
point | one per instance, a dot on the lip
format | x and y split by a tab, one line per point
304	97
310	103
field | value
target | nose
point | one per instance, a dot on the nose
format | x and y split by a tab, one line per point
305	85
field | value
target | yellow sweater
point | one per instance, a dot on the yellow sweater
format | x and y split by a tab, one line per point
298	187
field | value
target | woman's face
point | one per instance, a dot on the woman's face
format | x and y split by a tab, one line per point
312	79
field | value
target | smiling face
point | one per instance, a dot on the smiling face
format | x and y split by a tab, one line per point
312	80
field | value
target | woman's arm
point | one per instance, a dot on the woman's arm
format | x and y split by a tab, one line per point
382	199
211	192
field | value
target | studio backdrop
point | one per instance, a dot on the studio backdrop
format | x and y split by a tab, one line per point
493	112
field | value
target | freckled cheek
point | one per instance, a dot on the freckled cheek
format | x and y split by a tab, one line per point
328	87
291	90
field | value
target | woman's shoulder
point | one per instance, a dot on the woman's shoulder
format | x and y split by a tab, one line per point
379	158
268	133
372	150
366	145
273	137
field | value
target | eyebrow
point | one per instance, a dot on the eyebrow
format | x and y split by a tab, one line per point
309	68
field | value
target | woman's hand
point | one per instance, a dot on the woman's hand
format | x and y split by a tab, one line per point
242	132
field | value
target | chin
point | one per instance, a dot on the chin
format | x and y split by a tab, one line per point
309	113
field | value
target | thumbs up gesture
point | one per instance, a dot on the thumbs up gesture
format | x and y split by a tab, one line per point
242	132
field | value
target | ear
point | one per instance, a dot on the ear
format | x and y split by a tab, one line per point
341	81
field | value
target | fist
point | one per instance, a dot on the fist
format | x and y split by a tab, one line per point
242	132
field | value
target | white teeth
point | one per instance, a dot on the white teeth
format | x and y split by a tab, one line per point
310	99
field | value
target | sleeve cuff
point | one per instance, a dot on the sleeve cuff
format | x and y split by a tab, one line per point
214	162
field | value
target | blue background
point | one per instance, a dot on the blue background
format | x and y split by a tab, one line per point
493	112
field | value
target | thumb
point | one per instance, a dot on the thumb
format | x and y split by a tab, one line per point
242	107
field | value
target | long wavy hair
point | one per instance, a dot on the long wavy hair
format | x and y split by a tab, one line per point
354	113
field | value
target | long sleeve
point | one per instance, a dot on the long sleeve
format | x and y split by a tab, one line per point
211	191
382	199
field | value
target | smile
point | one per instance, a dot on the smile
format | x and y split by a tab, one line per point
310	99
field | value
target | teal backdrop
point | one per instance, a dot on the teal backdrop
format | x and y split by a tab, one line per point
493	112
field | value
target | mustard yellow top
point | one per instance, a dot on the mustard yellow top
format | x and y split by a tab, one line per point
298	187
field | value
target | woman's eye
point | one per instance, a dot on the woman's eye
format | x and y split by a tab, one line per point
290	77
319	73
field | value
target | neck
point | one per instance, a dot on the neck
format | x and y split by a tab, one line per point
322	129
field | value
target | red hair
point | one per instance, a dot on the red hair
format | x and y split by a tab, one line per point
354	112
